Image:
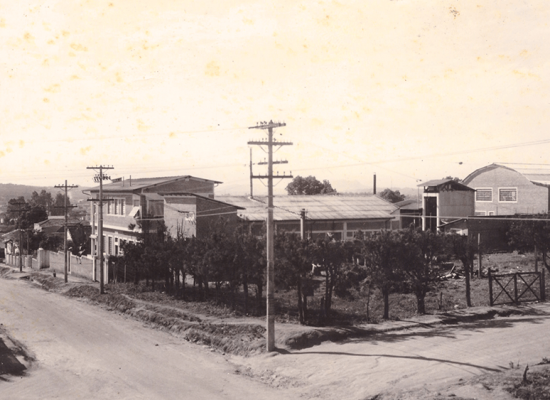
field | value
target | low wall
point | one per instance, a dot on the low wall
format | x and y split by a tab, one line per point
82	267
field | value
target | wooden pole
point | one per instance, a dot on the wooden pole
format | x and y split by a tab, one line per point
479	255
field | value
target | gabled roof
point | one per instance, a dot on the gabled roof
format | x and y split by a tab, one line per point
442	182
130	185
318	207
536	178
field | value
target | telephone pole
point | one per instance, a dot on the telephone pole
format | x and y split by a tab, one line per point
65	207
100	178
270	143
21	210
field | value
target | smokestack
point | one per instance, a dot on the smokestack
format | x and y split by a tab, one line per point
374	184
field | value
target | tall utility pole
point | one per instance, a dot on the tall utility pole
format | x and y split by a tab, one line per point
99	178
251	176
65	207
303	224
270	227
21	210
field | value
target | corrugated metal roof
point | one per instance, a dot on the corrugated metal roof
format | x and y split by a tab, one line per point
321	207
140	183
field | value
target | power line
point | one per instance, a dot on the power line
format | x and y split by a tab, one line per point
65	208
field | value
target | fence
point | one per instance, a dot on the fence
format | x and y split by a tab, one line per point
516	286
82	267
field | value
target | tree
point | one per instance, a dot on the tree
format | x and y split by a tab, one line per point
331	256
14	205
382	253
34	215
464	249
309	186
59	204
421	250
294	266
44	200
392	196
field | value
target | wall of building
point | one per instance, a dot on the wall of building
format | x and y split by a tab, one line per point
456	203
180	214
531	198
210	213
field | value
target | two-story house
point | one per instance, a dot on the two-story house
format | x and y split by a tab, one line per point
185	204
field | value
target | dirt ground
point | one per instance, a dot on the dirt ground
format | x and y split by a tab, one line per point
241	340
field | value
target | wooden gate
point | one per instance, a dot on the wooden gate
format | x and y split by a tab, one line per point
516	286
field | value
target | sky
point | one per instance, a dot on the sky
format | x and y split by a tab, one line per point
409	90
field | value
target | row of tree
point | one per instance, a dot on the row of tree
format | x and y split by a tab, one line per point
37	209
391	261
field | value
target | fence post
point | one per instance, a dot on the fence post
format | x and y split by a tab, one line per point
542	286
516	289
490	288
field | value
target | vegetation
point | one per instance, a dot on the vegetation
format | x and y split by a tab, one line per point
392	196
309	186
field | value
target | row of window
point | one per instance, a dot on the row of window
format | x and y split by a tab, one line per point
505	195
111	246
116	207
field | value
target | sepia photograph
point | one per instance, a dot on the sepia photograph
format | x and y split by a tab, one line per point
252	199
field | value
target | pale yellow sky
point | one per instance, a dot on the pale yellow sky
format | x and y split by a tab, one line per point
159	88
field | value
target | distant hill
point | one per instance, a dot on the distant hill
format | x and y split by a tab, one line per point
10	191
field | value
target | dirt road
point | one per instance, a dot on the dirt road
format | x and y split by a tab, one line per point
85	352
432	359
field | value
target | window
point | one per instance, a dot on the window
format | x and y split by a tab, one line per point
491	213
110	248
484	194
115	206
156	208
122	210
479	213
109	207
507	195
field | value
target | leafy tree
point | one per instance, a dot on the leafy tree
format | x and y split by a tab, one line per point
44	200
250	255
34	215
464	249
525	235
309	186
59	204
294	266
382	252
14	205
331	256
418	261
392	196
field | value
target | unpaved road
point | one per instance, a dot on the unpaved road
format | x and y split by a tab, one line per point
430	360
85	352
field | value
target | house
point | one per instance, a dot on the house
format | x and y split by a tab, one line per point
410	211
78	231
445	200
185	204
502	190
336	216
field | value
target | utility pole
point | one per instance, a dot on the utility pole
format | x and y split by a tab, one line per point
21	210
100	178
251	176
270	226
65	207
303	224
